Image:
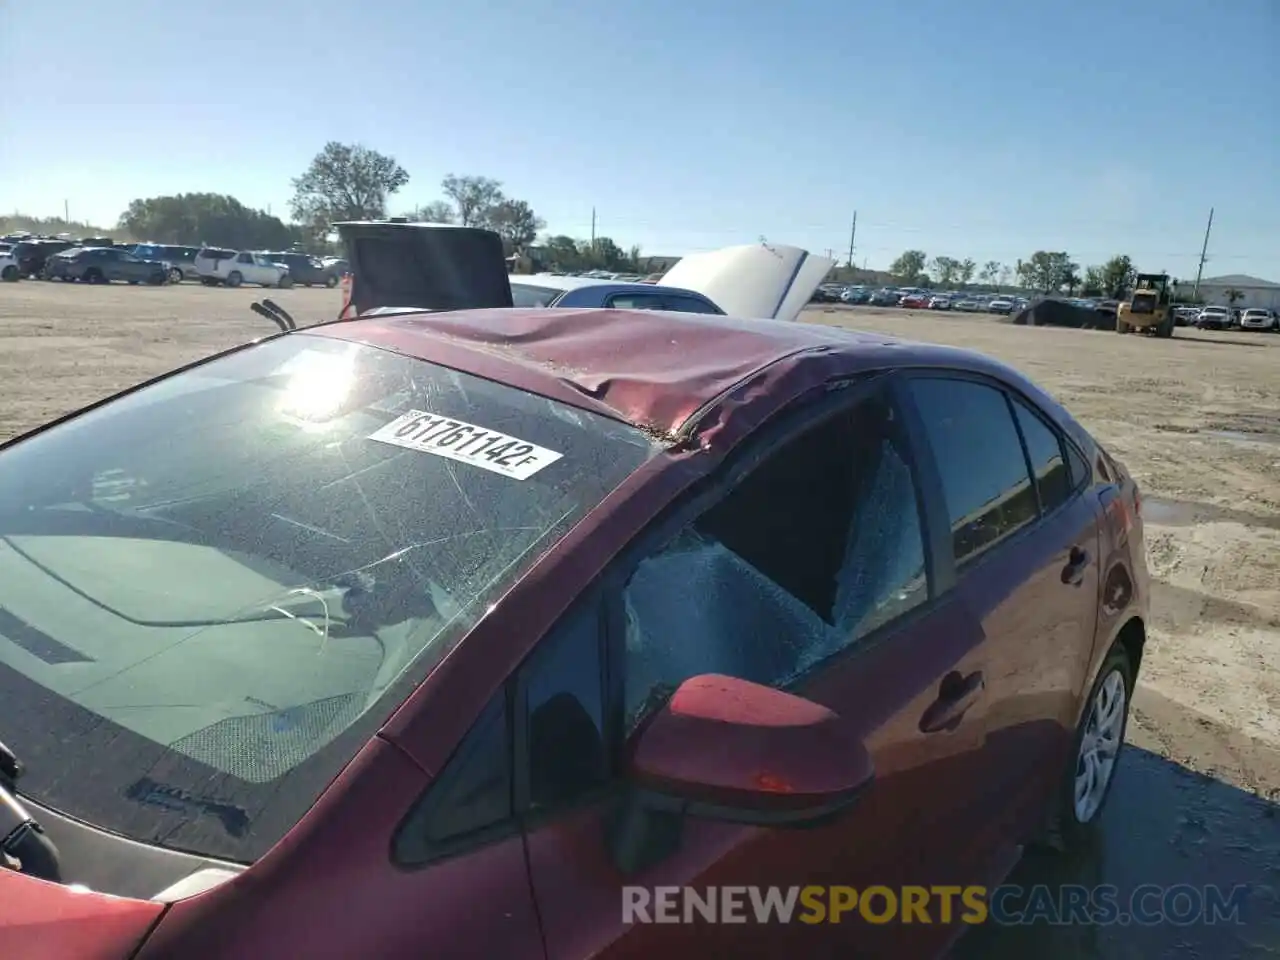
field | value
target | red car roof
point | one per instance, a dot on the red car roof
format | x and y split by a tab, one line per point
649	368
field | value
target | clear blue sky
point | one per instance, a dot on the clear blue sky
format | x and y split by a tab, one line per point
981	128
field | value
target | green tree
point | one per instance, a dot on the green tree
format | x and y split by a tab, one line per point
603	254
1047	271
1117	276
345	182
1233	295
213	218
945	271
515	222
966	271
562	253
909	267
990	272
1094	283
474	198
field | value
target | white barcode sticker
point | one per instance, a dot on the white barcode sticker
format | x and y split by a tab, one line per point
466	443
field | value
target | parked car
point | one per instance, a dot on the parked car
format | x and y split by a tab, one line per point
1001	305
31	255
9	271
181	260
306	269
855	295
915	301
884	298
1185	316
1258	319
967	304
1214	318
217	267
105	264
939	303
643	630
545	290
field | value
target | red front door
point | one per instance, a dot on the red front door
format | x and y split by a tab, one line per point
764	585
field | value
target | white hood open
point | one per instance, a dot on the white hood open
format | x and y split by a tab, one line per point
753	280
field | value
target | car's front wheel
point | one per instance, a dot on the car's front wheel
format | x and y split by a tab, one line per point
175	275
9	274
1095	752
234	278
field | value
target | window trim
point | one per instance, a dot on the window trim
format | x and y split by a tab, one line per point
1076	489
611	706
409	850
671	297
1011	392
964	565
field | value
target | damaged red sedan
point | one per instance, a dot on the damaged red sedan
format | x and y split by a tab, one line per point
444	633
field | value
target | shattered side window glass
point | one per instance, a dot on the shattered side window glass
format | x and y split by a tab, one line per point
816	548
697	607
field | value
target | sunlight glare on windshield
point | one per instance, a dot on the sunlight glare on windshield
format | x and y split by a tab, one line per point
319	384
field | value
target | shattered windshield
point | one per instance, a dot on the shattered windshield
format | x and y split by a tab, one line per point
213	590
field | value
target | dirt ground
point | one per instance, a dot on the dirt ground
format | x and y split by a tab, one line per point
1197	421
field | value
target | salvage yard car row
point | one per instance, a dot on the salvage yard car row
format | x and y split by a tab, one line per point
101	260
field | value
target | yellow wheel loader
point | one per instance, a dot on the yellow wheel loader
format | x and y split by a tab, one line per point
1148	309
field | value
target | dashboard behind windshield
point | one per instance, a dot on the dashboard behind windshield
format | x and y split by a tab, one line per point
213	590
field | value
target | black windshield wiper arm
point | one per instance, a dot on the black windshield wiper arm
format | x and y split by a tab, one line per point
275	313
10	767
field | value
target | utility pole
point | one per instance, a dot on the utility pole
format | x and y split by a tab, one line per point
1195	291
593	228
66	211
853	232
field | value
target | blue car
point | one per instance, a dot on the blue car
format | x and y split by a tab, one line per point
549	290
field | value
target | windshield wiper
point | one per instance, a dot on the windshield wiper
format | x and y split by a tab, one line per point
275	313
10	767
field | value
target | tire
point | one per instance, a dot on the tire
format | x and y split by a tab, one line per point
1071	818
234	278
94	275
10	274
331	281
175	275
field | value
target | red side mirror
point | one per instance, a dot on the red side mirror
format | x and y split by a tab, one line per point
728	749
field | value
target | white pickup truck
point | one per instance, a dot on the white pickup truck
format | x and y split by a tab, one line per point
216	267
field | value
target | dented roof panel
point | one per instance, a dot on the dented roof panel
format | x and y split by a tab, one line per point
653	369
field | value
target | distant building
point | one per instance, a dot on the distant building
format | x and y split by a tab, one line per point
1215	291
